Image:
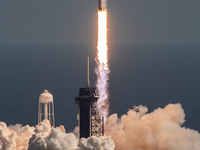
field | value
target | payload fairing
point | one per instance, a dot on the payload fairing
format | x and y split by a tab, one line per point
102	5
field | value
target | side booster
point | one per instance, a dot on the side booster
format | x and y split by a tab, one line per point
102	5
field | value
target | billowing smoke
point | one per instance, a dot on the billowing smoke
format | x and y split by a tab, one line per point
136	130
47	138
159	130
44	137
15	137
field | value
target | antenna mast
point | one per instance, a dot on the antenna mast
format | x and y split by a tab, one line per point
88	82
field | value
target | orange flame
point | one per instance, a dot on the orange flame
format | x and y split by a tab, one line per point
102	37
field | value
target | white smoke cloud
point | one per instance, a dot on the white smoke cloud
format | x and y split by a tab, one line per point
47	138
159	130
15	137
136	130
94	143
44	137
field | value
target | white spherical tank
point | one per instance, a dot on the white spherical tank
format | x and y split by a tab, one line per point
46	108
46	97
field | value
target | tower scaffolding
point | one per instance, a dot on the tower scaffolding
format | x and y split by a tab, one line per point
90	123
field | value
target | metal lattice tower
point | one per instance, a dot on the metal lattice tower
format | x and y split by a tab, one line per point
97	123
46	108
90	123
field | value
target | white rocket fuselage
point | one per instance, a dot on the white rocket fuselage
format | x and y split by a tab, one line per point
102	5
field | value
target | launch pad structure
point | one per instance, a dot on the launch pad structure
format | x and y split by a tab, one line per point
90	123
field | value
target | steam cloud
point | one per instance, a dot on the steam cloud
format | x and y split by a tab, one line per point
159	130
15	137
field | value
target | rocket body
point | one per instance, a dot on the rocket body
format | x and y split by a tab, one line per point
102	5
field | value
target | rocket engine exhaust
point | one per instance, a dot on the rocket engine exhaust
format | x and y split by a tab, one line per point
102	69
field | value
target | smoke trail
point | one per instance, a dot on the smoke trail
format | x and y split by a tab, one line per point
102	69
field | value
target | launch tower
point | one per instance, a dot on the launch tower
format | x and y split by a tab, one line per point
90	123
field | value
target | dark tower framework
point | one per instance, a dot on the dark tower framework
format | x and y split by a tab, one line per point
90	123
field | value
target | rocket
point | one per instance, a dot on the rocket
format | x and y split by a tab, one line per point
102	5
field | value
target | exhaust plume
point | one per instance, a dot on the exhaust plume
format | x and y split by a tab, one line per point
102	69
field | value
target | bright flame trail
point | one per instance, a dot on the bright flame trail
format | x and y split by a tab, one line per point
102	69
